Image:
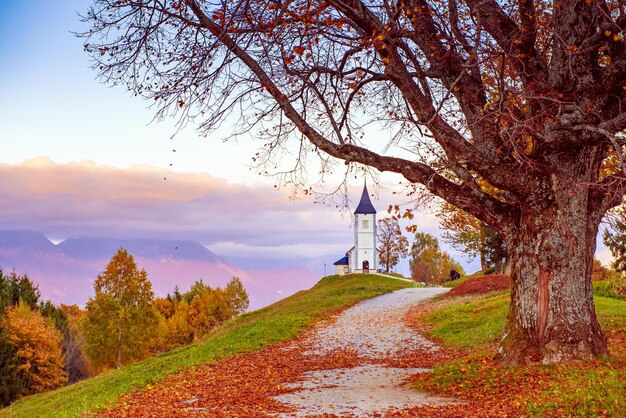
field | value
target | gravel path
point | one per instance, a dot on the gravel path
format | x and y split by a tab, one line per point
375	330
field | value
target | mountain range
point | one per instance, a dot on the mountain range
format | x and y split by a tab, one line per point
65	271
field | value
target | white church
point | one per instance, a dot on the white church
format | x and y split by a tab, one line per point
363	257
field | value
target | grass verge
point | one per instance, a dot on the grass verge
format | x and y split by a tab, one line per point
470	324
281	321
582	389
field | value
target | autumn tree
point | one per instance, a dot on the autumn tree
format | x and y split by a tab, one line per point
164	306
602	273
37	343
119	321
472	236
178	329
393	244
194	313
208	310
428	262
526	96
13	289
16	289
237	297
196	288
211	307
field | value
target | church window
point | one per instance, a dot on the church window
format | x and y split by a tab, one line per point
365	224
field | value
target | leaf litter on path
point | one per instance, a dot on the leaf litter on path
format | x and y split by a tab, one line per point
355	365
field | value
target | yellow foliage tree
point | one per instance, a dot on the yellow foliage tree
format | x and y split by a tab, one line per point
164	306
39	365
237	296
120	323
208	309
428	262
179	331
191	315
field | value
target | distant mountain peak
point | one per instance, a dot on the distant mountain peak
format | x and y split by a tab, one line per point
65	272
25	240
146	248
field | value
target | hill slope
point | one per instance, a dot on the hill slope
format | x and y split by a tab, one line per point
281	321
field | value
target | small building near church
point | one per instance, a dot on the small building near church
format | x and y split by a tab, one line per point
363	256
342	266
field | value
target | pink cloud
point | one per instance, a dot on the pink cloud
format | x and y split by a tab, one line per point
85	199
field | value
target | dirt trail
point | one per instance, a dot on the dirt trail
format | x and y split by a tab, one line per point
374	331
354	365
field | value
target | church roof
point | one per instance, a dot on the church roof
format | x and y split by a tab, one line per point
341	261
365	205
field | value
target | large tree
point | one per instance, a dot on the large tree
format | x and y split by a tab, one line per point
524	96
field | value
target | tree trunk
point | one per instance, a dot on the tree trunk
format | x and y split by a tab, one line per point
498	267
119	347
484	264
552	314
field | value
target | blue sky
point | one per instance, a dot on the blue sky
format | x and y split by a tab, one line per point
79	158
53	106
54	113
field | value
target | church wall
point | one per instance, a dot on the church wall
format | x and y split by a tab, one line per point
365	245
341	269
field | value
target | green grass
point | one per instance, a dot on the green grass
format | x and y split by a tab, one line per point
611	313
584	389
281	321
481	320
472	323
582	392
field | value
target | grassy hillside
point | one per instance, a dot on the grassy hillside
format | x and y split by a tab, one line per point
580	389
480	321
281	321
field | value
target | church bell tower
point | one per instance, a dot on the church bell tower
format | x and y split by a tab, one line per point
365	256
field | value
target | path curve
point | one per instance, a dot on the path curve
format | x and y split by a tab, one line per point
374	329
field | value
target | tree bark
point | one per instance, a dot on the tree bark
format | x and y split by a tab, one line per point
552	315
484	265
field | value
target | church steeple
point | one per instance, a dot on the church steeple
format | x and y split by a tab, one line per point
363	257
365	205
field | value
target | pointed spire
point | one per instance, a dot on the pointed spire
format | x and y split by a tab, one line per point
365	205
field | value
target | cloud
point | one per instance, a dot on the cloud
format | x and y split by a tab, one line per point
299	250
85	200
